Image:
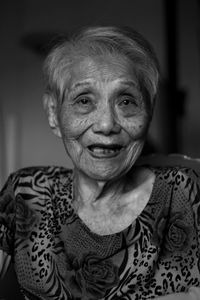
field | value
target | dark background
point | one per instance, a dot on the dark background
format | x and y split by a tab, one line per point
173	27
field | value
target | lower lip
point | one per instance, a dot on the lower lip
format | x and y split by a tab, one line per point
104	153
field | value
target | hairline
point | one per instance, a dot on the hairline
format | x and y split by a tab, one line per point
87	45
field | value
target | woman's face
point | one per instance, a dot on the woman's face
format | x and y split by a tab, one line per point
103	117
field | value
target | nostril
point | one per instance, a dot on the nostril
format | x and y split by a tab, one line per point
106	126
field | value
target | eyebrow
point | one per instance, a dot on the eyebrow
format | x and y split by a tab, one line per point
80	84
88	83
129	83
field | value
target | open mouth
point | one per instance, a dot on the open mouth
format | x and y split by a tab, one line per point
102	150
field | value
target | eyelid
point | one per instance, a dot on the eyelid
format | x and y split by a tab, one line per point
79	95
128	97
129	91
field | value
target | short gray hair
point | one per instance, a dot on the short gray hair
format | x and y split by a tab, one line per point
99	40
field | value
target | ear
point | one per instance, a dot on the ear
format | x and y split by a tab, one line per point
50	106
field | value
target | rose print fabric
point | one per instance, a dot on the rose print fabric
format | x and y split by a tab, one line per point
56	256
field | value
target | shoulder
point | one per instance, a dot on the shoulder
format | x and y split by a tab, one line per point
40	174
178	174
37	180
41	180
43	170
173	175
164	178
180	184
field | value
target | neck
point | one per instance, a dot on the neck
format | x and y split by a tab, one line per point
88	191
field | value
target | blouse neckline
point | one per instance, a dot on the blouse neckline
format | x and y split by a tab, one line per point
106	236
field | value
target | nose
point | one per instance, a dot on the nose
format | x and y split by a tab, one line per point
105	122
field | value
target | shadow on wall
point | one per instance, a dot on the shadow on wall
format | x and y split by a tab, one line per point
9	288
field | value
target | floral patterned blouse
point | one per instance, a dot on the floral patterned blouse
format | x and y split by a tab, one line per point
57	257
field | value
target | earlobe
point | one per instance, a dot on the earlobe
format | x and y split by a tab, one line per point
50	106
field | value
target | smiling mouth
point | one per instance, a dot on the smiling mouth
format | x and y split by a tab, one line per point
102	150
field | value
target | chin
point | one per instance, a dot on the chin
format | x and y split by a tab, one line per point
105	174
107	169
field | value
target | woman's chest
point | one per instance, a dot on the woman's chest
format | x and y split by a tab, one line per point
105	223
117	210
57	265
116	216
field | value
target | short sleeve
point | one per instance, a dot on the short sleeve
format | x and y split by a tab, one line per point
7	216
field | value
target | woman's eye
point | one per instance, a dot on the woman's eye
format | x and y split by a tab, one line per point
128	106
83	101
127	102
83	104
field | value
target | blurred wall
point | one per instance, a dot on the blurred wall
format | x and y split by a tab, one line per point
189	74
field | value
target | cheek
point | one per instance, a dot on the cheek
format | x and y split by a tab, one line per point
137	127
71	130
72	126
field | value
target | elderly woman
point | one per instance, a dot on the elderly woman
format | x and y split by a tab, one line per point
107	229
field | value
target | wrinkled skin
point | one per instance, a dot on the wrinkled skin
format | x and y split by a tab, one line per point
103	103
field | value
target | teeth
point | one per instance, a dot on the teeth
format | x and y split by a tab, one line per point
103	150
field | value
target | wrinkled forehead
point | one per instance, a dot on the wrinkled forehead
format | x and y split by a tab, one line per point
102	68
